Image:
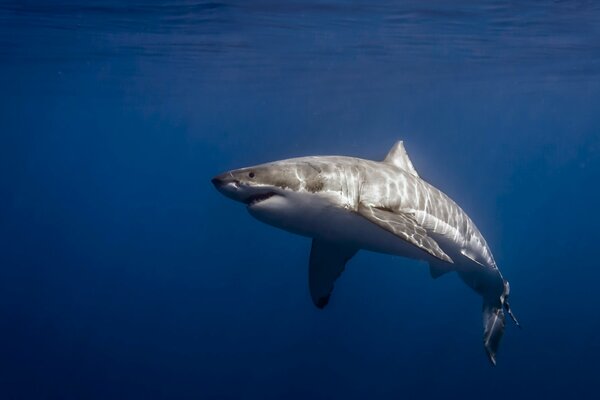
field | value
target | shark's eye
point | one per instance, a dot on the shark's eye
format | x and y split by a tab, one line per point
251	174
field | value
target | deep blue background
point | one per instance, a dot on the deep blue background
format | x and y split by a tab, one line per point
124	274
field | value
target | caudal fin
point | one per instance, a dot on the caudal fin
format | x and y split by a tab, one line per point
494	322
493	328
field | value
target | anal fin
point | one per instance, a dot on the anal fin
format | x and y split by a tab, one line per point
470	257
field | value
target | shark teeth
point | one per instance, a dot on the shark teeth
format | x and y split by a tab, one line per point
257	198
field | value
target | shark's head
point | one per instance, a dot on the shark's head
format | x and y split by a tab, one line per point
254	185
277	192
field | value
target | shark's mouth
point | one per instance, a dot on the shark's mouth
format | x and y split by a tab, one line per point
257	198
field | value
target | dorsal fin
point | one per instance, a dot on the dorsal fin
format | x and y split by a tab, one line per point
399	158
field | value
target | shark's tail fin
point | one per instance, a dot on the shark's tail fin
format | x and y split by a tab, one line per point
494	321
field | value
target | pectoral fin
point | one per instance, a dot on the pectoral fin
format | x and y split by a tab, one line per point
404	226
327	262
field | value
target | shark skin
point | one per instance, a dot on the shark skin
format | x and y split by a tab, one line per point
346	204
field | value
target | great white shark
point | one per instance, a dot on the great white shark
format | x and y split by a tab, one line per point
346	204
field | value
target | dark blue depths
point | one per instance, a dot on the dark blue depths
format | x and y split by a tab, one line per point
124	274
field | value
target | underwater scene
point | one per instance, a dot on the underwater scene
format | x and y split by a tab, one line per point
312	199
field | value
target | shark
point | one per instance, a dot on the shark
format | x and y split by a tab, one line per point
346	204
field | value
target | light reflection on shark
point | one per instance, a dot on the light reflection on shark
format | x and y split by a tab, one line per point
346	204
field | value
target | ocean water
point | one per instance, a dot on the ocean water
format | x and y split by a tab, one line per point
125	275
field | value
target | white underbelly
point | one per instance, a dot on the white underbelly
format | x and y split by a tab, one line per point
318	218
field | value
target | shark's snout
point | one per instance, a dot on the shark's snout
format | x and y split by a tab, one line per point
233	185
228	185
218	181
221	180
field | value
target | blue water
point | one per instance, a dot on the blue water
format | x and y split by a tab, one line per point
124	274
